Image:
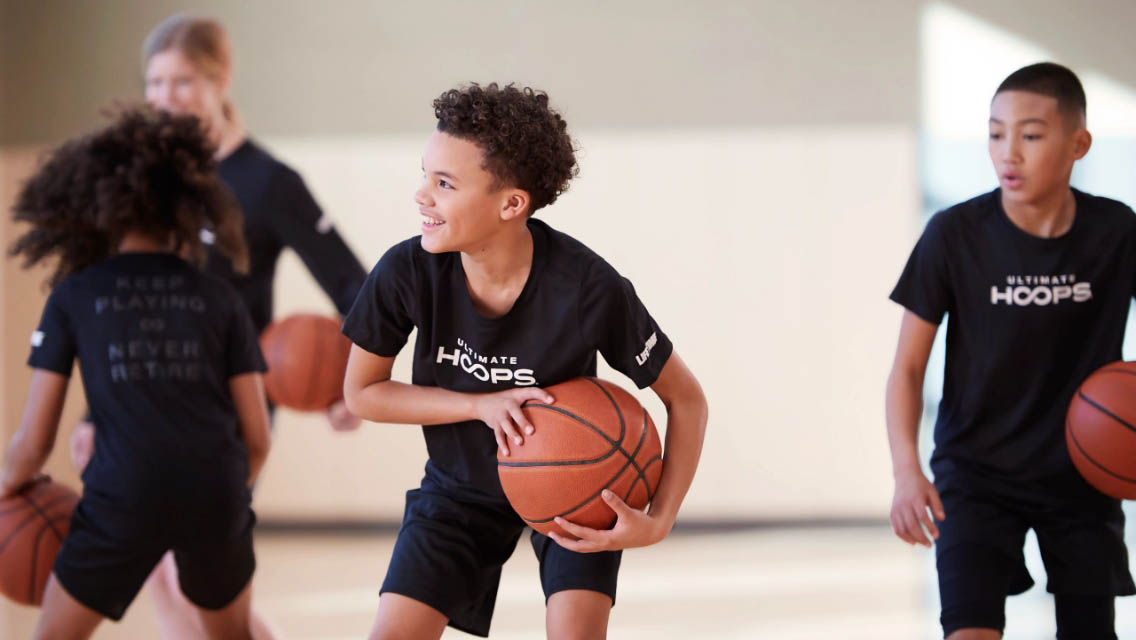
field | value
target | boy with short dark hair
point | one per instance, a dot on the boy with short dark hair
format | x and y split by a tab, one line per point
1037	279
487	282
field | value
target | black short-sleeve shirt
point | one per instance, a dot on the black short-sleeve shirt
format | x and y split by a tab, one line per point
157	341
573	306
1029	319
280	212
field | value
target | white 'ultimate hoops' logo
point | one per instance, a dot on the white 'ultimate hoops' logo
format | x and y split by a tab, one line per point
1042	291
486	368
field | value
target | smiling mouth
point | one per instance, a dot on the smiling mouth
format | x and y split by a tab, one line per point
432	222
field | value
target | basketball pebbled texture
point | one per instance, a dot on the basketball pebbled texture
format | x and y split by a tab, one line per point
33	524
1100	430
306	356
594	436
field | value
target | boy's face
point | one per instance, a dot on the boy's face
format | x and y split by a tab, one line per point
459	209
1033	146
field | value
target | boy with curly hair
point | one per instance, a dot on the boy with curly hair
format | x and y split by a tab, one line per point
170	365
485	278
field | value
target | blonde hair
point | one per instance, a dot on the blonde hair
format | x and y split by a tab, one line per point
202	40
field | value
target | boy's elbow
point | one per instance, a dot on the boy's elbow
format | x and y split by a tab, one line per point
352	399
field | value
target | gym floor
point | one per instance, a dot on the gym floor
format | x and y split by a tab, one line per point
852	583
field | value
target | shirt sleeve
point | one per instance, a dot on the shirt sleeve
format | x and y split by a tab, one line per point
616	322
382	317
303	226
242	351
924	287
54	342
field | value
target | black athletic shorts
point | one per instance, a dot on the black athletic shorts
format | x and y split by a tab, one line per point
451	548
980	559
110	551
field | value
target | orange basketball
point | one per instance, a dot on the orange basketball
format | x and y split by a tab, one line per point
33	524
595	436
1100	429
307	359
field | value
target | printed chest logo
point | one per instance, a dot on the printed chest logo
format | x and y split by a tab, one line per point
493	369
1041	291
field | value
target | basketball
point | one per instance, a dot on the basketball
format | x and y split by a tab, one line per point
1100	429
595	436
33	524
307	359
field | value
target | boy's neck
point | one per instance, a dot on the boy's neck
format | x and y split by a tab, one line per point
496	272
1049	217
134	242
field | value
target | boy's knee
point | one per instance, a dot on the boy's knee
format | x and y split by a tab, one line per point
975	634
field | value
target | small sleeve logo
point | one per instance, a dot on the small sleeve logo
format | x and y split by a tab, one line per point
37	338
642	357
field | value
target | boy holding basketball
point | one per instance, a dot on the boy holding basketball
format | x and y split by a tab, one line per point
170	365
504	305
1037	279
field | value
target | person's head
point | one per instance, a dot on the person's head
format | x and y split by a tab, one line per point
498	155
1037	131
149	173
187	65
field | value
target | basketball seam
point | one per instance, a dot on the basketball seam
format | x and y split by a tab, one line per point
617	445
1073	437
43	514
35	563
19	528
650	494
566	463
1108	413
630	462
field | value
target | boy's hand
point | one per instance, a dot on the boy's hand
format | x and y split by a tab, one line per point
502	413
10	486
82	445
914	495
340	418
633	528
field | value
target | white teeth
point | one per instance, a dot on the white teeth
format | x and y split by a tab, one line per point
431	221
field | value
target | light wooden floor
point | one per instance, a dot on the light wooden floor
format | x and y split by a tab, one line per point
784	584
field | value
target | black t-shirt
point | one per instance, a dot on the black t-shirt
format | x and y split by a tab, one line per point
157	342
573	305
280	212
1029	319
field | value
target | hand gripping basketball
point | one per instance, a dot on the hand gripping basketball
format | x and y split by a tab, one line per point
596	437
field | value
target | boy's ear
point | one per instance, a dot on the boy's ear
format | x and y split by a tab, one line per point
516	203
1082	140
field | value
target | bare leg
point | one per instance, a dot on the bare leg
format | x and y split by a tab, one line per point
403	618
975	634
231	622
577	614
64	617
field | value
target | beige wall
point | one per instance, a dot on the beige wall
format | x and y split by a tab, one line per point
752	249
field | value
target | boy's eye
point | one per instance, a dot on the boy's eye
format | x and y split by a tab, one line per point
1032	136
445	185
995	136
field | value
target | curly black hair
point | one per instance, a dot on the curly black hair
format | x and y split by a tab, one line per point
148	172
525	142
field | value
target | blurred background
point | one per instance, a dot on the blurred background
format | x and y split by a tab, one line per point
759	169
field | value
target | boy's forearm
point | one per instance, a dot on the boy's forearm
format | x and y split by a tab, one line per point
22	461
904	409
400	403
686	430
